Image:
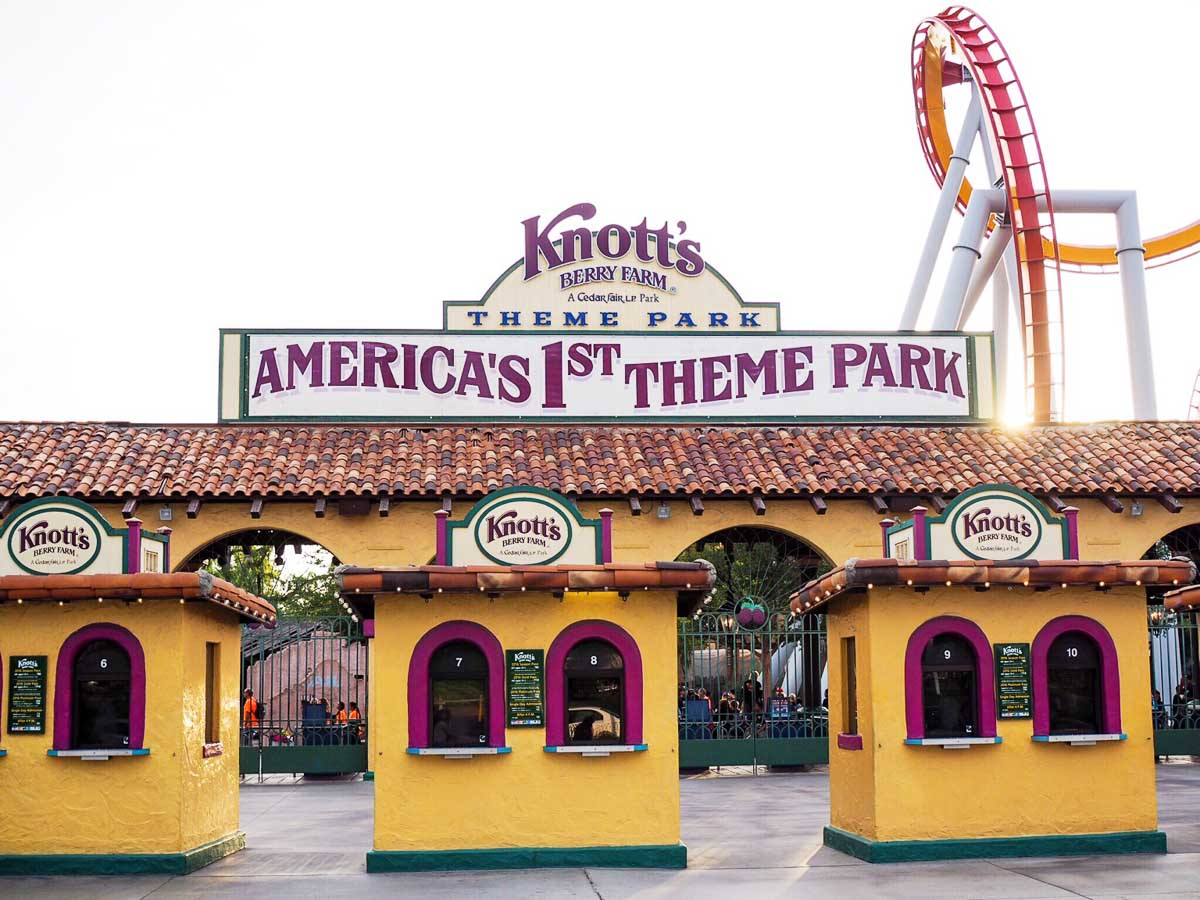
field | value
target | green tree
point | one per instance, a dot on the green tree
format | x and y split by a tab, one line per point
307	594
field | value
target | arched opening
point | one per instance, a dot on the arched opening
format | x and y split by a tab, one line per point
747	666
594	672
1074	685
458	692
312	660
1174	641
102	680
950	687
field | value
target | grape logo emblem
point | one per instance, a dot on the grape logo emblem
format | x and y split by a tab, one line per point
750	613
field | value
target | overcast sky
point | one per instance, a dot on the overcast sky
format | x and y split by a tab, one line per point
170	168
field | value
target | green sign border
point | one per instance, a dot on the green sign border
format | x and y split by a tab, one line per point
89	514
1015	494
1028	678
508	660
550	498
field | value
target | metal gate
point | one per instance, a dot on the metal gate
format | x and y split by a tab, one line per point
300	670
752	689
1175	682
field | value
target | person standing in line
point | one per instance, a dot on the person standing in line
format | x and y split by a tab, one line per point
250	713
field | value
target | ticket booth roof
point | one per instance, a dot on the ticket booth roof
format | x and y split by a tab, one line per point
1185	598
690	580
137	588
859	575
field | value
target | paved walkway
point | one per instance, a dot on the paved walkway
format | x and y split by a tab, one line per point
747	836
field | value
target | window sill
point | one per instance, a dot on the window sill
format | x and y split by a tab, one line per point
98	755
457	752
3	753
1078	740
597	749
963	743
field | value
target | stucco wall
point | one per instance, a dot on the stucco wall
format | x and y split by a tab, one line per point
528	798
406	536
167	802
1016	788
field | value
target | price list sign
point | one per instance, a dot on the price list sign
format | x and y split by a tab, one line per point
1014	692
526	698
27	695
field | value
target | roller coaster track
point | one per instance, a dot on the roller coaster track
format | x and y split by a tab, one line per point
1030	208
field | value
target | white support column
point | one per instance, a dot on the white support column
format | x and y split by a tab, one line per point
996	245
965	255
1000	300
1131	262
941	214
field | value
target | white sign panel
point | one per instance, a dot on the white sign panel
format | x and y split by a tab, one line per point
524	527
60	537
406	376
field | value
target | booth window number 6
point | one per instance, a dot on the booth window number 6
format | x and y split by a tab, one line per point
104	663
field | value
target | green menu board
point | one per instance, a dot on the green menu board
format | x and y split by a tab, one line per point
1014	691
27	695
526	699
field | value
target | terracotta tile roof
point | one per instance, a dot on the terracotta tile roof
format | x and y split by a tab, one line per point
116	460
859	575
179	586
691	580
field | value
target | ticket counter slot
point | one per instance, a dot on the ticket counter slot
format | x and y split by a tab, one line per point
97	755
598	749
962	743
457	752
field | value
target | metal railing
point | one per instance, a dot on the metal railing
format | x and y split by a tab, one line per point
299	672
1174	652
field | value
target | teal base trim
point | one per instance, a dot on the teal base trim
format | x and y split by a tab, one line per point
121	863
368	775
654	856
987	848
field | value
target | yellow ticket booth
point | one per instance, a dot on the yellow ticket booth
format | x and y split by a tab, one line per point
120	695
985	707
530	718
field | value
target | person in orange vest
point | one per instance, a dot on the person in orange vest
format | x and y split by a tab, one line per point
250	711
340	717
355	716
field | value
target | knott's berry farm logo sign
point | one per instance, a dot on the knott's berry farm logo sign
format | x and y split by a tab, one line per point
524	526
986	522
607	322
60	537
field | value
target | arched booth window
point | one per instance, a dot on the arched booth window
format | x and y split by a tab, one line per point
100	691
948	683
1076	680
456	689
594	688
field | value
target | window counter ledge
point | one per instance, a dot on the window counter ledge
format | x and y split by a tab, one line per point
457	752
1078	740
959	743
597	749
3	753
98	755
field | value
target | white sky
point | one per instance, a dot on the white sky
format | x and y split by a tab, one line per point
167	169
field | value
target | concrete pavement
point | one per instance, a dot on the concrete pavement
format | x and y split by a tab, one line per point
757	836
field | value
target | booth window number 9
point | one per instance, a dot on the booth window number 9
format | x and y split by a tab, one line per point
945	653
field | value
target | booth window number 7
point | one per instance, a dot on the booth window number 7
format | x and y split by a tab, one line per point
458	661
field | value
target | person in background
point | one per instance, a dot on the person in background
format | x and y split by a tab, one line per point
250	713
357	733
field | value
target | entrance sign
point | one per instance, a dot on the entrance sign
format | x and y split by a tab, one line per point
526	696
60	536
1014	683
523	526
442	376
596	323
997	522
27	694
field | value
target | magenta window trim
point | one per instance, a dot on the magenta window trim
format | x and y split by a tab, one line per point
914	704
418	678
556	695
1110	674
64	681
